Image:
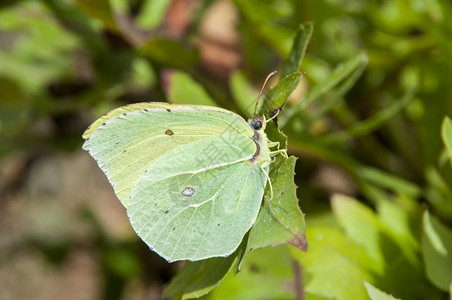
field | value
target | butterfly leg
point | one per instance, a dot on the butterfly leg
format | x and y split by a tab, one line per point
283	152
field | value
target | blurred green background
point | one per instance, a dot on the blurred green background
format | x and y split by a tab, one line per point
365	122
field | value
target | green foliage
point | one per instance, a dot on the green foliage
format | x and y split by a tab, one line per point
184	89
376	294
437	250
367	111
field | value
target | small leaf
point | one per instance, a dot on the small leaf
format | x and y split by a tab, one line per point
276	96
437	250
184	90
446	134
376	294
300	43
199	278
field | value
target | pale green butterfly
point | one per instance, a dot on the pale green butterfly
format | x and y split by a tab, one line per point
192	177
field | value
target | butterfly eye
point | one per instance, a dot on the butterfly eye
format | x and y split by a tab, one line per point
188	191
256	123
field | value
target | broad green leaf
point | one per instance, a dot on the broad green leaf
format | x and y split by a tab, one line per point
300	43
170	53
199	278
280	220
376	294
361	226
446	134
437	251
275	97
268	274
184	90
334	267
395	221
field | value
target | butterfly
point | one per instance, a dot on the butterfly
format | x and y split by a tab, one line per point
192	177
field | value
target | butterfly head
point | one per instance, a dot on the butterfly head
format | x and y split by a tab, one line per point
258	122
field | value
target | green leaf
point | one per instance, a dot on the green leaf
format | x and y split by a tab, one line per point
376	294
446	134
360	224
300	43
437	250
438	191
101	10
334	267
152	13
199	278
280	220
184	90
386	180
170	53
395	221
275	97
268	274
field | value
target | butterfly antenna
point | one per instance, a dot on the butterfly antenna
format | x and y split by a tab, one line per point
262	89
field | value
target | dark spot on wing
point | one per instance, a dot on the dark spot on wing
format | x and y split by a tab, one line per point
168	110
188	191
124	151
169	132
166	212
218	224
